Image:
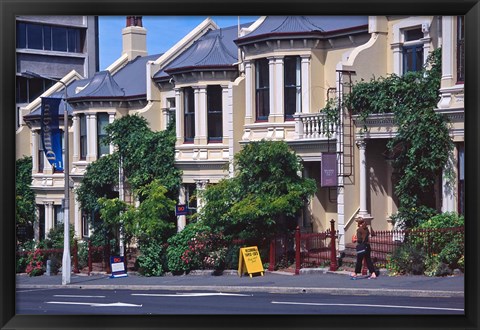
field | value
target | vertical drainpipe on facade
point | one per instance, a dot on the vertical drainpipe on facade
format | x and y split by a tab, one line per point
340	188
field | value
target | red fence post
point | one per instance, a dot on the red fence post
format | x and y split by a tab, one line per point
89	257
333	247
271	264
297	251
75	257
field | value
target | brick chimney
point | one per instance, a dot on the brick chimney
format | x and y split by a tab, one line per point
134	38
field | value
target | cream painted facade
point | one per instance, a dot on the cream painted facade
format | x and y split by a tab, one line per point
326	68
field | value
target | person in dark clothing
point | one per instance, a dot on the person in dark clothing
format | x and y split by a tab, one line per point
363	236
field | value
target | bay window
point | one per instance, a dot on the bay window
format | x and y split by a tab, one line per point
102	147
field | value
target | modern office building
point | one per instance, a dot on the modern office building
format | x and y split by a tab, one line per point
52	46
266	80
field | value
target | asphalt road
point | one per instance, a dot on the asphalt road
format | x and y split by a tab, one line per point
71	301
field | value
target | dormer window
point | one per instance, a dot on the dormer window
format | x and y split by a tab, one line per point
262	89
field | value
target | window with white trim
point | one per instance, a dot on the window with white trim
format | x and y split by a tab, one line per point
262	89
292	85
83	136
189	114
214	113
102	147
412	50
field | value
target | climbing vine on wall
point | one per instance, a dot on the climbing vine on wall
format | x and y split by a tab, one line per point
422	147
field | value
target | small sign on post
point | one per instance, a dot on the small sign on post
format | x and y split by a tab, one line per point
181	209
118	267
249	261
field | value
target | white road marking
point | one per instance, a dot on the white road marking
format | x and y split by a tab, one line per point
117	304
75	296
190	294
364	305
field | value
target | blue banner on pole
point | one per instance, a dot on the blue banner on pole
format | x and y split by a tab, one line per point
50	132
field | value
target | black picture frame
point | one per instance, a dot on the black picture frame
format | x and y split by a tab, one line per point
10	8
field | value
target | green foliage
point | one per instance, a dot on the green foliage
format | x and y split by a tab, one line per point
422	146
155	217
99	180
55	237
152	259
24	195
135	141
409	258
264	196
35	263
196	247
447	246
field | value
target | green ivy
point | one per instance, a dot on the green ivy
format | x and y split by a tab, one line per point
422	147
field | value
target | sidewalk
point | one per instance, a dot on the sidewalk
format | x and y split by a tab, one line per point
309	281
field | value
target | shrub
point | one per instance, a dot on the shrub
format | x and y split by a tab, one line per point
35	264
196	247
22	255
152	259
407	259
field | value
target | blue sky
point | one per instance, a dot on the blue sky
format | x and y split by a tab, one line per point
162	32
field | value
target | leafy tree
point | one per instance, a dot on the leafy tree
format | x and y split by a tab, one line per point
422	147
24	195
264	196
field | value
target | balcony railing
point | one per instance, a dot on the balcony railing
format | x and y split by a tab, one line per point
314	126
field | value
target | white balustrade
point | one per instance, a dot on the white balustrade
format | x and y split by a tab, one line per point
314	126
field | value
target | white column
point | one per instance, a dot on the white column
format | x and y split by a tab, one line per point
305	83
278	92
201	115
362	146
76	138
196	98
92	136
48	217
447	54
225	115
181	219
201	186
34	139
449	188
271	86
179	115
249	83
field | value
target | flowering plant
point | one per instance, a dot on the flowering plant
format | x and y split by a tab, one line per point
35	264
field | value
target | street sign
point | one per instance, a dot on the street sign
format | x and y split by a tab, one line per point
118	266
181	209
249	261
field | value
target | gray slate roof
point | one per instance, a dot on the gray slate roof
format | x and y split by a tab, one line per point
127	83
215	49
294	25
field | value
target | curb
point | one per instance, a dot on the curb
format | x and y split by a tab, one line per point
266	289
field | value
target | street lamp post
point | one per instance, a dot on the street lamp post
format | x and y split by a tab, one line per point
66	262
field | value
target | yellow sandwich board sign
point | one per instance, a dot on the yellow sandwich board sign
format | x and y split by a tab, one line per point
249	261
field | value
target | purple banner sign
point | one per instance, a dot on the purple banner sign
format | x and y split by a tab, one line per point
328	169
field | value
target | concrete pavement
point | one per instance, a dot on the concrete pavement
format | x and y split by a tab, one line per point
309	281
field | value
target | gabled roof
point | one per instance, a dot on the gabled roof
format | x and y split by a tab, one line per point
215	50
278	26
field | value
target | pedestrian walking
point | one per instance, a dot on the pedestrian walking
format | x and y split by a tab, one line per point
362	239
